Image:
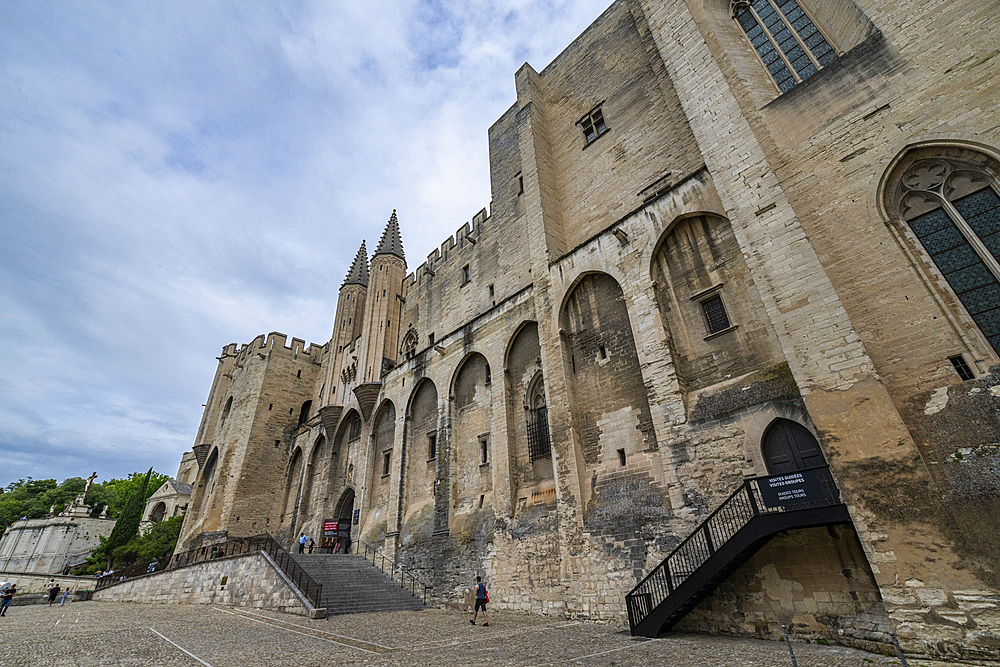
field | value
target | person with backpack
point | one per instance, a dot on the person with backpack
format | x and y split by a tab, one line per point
5	600
482	598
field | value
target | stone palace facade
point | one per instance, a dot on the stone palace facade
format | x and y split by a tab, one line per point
726	240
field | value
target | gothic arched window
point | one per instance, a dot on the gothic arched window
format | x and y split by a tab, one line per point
539	445
953	208
786	39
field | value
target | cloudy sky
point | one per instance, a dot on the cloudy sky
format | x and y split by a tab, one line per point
176	176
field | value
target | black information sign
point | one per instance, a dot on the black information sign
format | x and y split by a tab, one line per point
793	488
357	514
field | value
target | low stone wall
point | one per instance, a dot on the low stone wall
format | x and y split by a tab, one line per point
36	583
244	580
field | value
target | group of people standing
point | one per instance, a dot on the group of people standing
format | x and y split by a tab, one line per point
338	546
9	590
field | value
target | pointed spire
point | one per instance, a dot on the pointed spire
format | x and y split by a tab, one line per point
358	275
391	243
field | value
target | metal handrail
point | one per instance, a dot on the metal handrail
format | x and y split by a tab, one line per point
737	511
406	579
309	587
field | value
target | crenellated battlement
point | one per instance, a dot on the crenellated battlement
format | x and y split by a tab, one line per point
470	232
275	343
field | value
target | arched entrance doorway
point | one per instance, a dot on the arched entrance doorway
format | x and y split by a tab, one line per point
788	446
345	516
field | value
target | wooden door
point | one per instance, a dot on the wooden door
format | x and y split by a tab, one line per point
789	446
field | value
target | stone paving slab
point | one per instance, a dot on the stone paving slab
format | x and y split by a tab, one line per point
127	634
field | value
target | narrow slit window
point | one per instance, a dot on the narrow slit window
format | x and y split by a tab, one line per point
484	449
386	462
432	446
621	456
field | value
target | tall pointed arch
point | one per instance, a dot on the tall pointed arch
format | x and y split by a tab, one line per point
946	199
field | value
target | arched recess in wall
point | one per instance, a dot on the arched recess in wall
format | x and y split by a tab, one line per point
611	413
293	487
207	483
312	480
523	377
421	446
944	205
380	472
159	510
471	420
304	412
225	411
709	305
344	452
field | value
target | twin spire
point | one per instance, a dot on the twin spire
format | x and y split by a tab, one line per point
358	274
389	244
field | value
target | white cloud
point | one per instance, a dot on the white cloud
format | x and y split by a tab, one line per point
178	176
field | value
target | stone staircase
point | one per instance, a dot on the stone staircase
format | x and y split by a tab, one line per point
352	585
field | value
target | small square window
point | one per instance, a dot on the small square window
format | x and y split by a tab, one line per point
465	275
386	461
715	314
962	368
432	441
593	125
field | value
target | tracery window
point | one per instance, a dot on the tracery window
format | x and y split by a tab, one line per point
539	445
790	45
954	211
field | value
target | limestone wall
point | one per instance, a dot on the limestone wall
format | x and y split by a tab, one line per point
36	583
48	545
246	580
584	302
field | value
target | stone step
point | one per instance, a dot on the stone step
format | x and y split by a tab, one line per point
352	585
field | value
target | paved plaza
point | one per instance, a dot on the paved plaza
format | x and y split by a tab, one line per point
110	633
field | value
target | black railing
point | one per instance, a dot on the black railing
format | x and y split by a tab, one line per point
309	587
746	503
406	579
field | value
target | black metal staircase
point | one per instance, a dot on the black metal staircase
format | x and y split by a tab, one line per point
759	509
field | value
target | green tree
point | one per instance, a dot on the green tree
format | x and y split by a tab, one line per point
128	521
158	542
116	492
34	497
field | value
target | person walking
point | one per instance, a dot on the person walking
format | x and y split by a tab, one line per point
65	595
482	597
8	595
53	593
302	543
